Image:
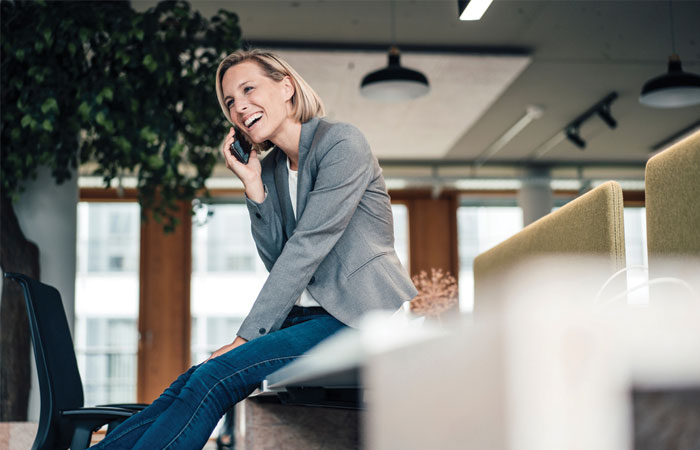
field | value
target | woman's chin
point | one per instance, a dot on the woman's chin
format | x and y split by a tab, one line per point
255	138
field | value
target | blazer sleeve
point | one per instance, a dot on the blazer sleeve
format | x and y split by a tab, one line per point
344	172
266	226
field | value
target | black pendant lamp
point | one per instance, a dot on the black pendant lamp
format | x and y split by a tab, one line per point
394	82
675	89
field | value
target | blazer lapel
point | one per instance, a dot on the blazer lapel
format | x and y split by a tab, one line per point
282	186
306	173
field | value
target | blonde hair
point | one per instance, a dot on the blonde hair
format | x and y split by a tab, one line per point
306	104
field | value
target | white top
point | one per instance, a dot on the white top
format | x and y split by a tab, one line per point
305	299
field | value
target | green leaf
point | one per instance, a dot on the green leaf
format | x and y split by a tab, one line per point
148	135
109	126
150	63
72	48
123	56
108	93
19	54
100	118
84	110
46	125
155	162
47	36
122	143
49	105
177	150
38	46
139	35
26	120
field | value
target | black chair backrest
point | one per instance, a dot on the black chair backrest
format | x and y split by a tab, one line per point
59	379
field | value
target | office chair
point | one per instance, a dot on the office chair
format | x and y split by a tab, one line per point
63	421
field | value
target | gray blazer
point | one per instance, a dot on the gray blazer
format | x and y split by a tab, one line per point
340	245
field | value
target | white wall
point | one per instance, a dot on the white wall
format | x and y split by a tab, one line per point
47	216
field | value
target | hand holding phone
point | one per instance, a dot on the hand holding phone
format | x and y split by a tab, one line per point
248	170
241	148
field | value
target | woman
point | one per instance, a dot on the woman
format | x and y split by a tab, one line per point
321	220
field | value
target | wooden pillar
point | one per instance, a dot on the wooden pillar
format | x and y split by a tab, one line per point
432	230
164	311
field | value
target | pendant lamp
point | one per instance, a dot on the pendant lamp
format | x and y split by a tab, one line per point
394	82
675	89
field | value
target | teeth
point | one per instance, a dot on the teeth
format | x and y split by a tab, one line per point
252	118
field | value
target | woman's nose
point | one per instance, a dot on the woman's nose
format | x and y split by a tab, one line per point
241	106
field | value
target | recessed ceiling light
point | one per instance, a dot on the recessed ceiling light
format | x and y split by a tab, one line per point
472	9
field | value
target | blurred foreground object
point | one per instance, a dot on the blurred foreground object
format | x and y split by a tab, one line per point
551	369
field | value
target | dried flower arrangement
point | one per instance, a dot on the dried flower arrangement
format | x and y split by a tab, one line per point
436	294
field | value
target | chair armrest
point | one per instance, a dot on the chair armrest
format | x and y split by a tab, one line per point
88	420
97	413
129	406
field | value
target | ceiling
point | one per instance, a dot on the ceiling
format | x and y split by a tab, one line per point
562	56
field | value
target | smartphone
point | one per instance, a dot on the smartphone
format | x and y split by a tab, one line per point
241	148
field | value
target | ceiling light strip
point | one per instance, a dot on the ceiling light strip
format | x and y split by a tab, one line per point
532	113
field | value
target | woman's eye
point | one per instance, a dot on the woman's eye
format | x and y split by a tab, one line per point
247	89
229	104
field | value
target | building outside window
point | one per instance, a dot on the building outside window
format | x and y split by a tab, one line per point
227	275
106	300
478	229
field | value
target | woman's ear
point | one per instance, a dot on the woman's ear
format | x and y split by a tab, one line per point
288	87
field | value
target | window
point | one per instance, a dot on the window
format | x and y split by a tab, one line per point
227	275
106	300
400	213
636	254
478	229
108	233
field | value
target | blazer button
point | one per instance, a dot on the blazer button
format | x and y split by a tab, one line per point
261	331
312	280
258	215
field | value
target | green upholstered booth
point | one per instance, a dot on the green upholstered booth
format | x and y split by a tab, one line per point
591	226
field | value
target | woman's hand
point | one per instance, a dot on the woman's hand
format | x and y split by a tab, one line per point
249	174
227	348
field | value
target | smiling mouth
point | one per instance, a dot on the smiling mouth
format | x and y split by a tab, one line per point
252	120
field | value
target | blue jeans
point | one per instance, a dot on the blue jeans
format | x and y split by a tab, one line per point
185	415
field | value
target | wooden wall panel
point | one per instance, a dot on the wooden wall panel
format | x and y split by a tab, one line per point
164	310
432	230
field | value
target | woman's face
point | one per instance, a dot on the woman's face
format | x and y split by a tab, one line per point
257	104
